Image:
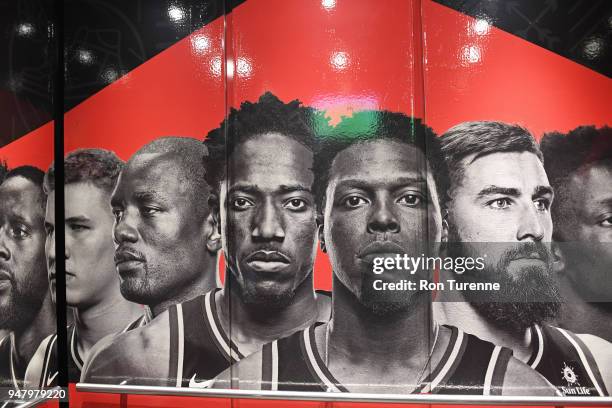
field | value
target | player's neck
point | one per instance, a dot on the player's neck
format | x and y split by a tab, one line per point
261	324
204	283
44	323
379	340
578	315
456	311
108	316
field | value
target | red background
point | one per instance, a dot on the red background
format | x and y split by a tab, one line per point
343	58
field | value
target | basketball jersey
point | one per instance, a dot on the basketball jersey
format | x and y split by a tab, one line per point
140	322
48	376
469	365
11	370
200	350
566	362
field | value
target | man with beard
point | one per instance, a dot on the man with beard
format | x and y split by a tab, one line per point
92	285
26	309
579	166
378	201
264	212
497	207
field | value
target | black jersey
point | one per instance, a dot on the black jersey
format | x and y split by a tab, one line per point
200	349
566	362
12	370
469	365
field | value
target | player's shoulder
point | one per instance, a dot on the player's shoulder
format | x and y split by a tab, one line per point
135	353
601	350
243	375
520	379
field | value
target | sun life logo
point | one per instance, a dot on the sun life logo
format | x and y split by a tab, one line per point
569	375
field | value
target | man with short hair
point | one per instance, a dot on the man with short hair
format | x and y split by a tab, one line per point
261	175
378	201
26	309
497	208
92	285
162	224
579	166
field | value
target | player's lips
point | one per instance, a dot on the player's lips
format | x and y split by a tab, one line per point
127	260
5	279
379	249
268	261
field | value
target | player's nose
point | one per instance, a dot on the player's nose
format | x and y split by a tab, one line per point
382	219
268	224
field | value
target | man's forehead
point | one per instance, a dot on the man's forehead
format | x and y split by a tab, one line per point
379	161
152	168
505	169
19	188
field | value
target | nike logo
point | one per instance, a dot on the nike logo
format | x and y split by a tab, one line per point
200	384
50	379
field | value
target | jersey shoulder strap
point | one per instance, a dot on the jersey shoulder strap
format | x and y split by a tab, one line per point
566	362
470	366
287	365
48	377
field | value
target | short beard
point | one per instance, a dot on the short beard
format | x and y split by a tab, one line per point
23	305
266	300
531	298
384	303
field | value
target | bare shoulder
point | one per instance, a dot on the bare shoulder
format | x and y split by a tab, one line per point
602	354
243	375
520	379
140	356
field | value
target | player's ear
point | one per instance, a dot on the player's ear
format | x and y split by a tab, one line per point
558	257
213	227
319	220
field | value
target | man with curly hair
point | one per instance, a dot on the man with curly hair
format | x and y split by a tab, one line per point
579	166
260	170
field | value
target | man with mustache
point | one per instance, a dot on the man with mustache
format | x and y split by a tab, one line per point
92	285
378	200
579	166
26	309
497	207
262	179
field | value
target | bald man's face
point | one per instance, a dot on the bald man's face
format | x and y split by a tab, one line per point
159	228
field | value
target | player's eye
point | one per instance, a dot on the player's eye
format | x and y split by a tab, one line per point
295	204
241	204
499	203
354	201
78	227
410	200
606	222
19	232
150	210
542	204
